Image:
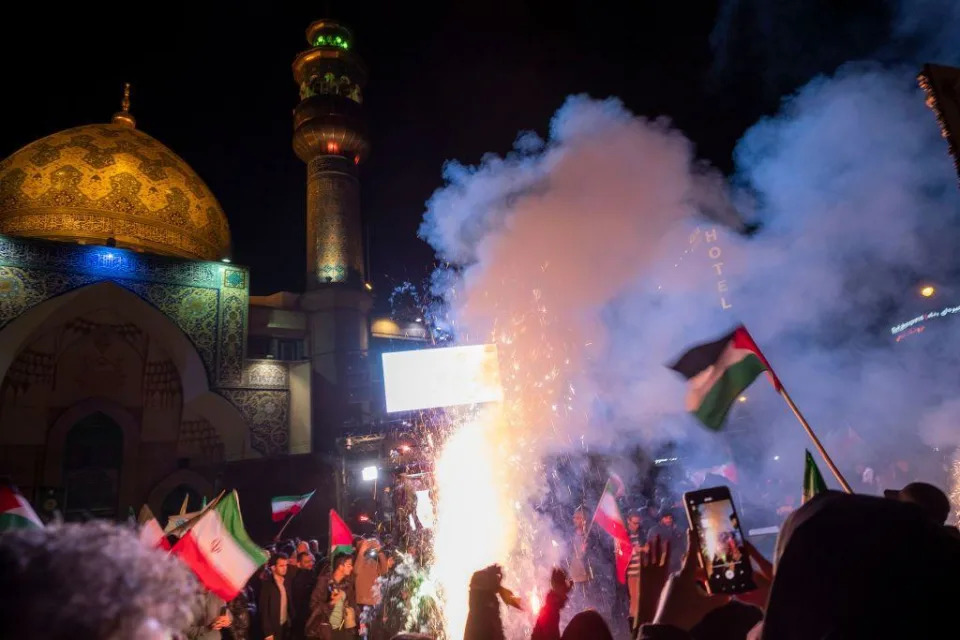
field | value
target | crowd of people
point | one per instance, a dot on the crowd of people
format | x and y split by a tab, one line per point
845	566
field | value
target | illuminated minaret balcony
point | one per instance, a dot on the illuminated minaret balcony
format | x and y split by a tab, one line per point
329	135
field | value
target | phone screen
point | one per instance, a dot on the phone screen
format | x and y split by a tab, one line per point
725	559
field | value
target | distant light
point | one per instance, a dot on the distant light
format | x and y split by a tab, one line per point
226	260
419	320
928	291
369	474
742	398
775	458
368	286
405	448
363	517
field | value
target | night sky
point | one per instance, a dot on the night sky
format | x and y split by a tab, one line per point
213	82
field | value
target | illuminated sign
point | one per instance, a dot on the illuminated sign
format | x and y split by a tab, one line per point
448	377
910	327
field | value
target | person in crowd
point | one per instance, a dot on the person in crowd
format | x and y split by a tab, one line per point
276	601
586	565
212	616
315	548
635	531
547	626
302	547
587	625
302	587
95	581
483	616
241	611
368	566
668	532
929	498
835	576
333	613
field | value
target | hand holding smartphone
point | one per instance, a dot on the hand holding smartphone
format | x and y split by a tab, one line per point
721	543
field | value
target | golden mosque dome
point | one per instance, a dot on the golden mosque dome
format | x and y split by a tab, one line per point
111	184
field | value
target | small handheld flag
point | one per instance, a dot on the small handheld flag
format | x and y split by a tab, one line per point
608	517
150	532
15	510
341	538
288	506
718	372
813	482
219	551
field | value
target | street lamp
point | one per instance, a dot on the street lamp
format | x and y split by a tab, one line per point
369	474
927	291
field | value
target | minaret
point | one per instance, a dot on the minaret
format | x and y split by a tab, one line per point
329	135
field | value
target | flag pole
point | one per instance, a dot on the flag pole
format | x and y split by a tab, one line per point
189	523
815	439
284	527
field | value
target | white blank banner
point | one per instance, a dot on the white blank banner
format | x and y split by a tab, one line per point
432	378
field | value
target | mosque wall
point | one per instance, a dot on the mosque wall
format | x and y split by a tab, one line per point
143	357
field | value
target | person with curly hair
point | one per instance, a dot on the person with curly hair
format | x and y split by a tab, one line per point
91	581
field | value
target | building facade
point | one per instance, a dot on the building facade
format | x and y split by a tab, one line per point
135	368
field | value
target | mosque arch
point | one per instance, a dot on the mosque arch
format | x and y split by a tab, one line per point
56	360
58	309
57	462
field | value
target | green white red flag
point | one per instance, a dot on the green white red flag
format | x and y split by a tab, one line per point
286	506
151	533
718	372
813	482
341	538
608	517
15	510
218	550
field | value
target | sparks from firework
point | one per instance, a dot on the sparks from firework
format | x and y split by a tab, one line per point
489	472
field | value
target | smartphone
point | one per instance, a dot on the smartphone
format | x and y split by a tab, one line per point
714	519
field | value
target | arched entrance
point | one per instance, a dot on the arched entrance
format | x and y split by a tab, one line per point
92	462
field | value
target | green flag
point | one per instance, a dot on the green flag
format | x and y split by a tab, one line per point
812	479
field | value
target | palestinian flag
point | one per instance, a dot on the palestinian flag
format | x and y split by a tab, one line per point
341	539
15	511
284	506
218	550
813	482
719	372
151	534
608	517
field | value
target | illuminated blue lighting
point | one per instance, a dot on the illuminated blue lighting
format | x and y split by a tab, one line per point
111	260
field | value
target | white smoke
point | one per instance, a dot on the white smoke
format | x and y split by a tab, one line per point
591	253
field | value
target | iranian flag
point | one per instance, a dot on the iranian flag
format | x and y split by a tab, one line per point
608	517
719	372
218	550
341	538
151	533
15	511
284	506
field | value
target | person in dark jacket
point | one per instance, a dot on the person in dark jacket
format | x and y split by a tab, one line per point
276	601
483	615
302	585
241	610
333	603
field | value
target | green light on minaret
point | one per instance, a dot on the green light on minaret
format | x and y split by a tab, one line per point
331	41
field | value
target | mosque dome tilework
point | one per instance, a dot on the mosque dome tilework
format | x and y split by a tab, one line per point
110	183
